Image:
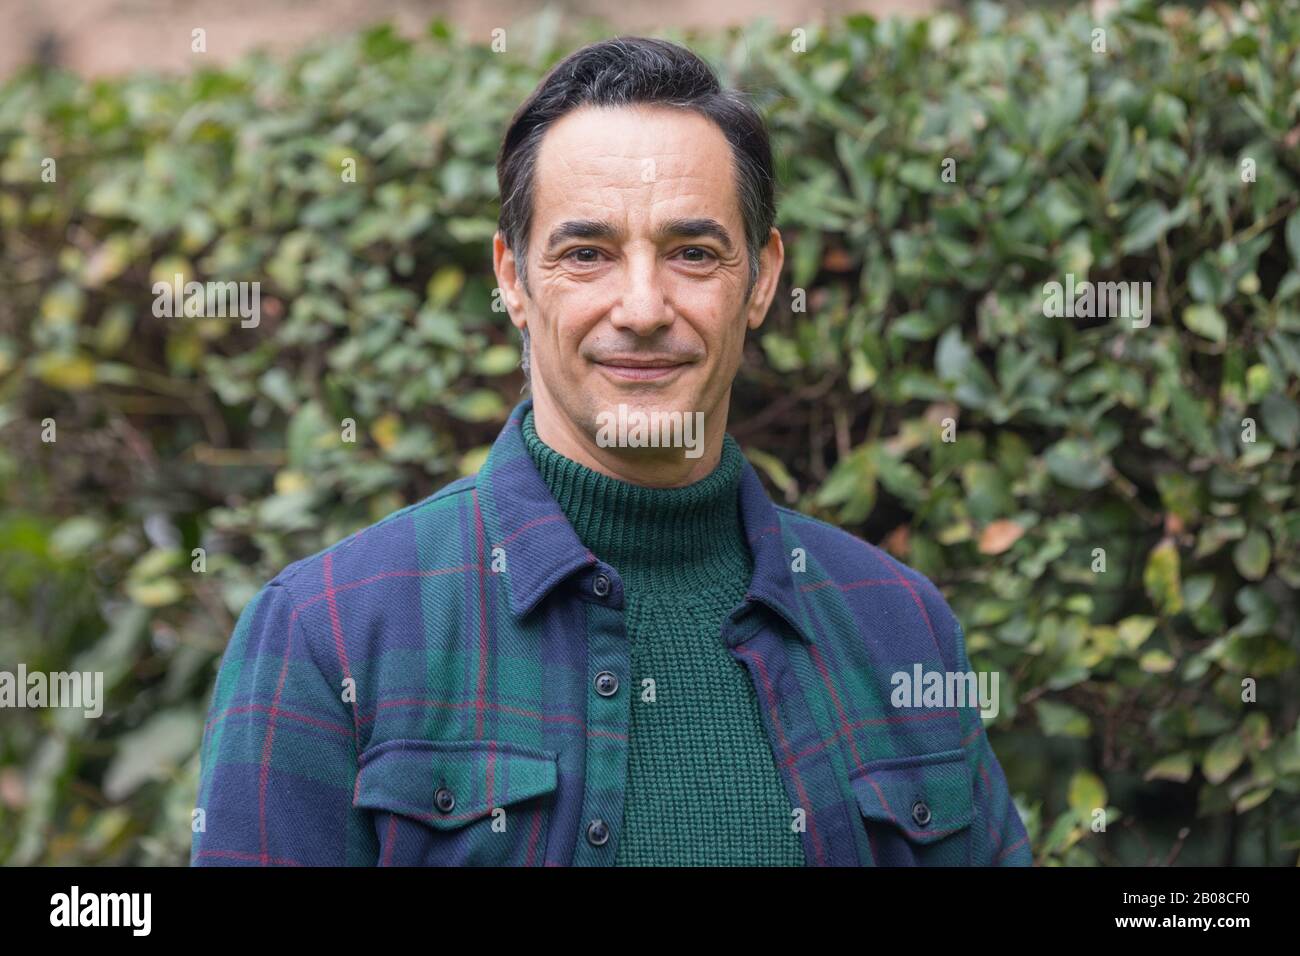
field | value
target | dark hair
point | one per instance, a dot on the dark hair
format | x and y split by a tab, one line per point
622	72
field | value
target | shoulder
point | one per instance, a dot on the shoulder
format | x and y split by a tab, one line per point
845	556
417	537
842	566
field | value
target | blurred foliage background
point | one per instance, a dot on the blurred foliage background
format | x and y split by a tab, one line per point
1171	158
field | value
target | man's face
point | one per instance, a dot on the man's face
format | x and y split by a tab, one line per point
637	269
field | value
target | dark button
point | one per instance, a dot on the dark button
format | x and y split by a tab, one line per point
920	813
600	585
444	799
597	832
606	684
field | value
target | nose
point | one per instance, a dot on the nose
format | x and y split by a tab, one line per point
643	307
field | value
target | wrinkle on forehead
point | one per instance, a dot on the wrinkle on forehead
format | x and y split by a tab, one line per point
691	161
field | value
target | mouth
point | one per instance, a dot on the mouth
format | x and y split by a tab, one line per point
630	369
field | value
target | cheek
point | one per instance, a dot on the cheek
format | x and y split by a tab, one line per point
725	329
570	328
735	346
570	316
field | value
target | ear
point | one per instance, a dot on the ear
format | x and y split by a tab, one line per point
512	290
770	261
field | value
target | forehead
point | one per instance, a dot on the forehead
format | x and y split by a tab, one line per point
603	161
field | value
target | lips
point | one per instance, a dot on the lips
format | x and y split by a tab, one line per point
639	369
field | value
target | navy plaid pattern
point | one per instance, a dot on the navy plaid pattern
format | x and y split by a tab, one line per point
421	693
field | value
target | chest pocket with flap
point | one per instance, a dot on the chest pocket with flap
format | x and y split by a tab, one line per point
458	803
917	809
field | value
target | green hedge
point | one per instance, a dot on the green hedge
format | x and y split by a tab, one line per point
1170	158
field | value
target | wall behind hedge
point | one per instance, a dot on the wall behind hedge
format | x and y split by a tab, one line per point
1169	158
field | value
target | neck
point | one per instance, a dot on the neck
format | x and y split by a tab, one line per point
682	538
663	467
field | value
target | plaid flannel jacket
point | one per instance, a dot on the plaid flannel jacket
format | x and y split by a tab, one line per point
424	693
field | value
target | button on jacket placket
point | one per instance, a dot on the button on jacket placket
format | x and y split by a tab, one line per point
608	719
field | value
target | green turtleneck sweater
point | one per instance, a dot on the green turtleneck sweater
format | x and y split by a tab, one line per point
702	786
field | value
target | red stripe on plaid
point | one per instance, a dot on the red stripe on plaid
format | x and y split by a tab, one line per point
336	625
503	708
230	711
264	771
528	526
390	840
1015	846
916	598
533	833
820	664
375	578
785	746
881	794
460	705
609	734
236	855
874	722
850	585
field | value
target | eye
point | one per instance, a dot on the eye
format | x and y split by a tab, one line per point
705	254
579	254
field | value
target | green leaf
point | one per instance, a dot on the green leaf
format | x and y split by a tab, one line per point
1206	282
1062	720
157	593
152	751
1134	631
1206	321
497	360
1252	554
952	355
1281	419
1156	662
480	405
1161	578
1224	756
1176	767
851	485
1087	794
445	285
1293	237
1252	799
1197	590
1078	463
1151	221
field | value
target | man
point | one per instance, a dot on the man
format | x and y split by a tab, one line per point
608	646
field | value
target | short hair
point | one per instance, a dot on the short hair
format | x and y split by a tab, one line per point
626	71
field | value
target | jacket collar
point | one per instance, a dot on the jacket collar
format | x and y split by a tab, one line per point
520	515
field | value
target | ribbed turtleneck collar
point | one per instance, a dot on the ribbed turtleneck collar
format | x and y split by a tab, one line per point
684	538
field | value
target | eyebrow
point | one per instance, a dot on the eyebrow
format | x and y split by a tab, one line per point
671	229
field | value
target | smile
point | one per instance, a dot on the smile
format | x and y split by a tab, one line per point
629	371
